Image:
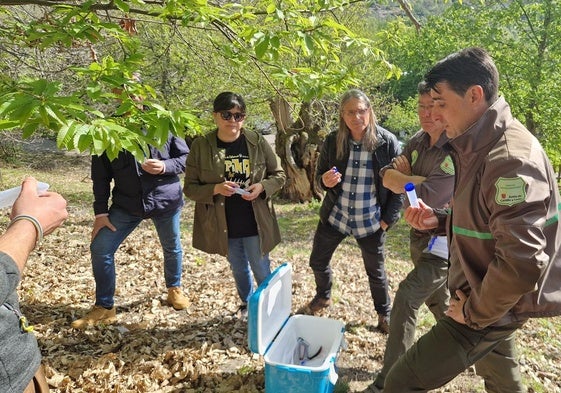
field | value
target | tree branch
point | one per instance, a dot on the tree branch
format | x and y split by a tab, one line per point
405	7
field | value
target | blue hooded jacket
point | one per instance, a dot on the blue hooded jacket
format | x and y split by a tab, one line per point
136	191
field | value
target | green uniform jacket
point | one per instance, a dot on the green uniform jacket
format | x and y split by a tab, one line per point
205	168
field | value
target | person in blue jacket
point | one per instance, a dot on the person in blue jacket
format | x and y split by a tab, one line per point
141	190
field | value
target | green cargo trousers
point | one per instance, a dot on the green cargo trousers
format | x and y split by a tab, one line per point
426	283
448	349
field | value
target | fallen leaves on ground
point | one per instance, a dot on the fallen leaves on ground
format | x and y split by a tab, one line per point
153	348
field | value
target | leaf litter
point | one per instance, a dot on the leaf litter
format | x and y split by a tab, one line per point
154	348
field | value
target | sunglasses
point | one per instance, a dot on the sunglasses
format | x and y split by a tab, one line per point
238	116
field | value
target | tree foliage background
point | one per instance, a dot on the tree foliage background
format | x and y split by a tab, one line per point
524	38
62	63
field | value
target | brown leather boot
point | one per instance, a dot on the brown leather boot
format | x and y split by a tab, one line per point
177	299
96	316
384	323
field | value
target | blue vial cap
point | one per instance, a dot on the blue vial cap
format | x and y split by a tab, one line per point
409	187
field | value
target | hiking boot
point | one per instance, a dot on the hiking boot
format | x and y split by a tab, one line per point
177	299
241	313
384	323
318	303
97	315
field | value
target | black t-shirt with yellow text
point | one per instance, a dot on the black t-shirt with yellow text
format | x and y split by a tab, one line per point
239	212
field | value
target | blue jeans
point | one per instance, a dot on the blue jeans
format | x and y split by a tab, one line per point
243	253
106	243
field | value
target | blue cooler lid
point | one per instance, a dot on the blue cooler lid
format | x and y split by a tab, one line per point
269	308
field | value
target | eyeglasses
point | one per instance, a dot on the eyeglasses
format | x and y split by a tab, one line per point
360	112
227	115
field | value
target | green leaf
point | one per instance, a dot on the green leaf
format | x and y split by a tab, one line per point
122	5
261	47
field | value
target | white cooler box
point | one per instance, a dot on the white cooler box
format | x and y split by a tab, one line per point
272	332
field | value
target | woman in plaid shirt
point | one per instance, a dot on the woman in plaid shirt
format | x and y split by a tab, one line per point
356	203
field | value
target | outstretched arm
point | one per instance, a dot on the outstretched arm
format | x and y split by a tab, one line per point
32	216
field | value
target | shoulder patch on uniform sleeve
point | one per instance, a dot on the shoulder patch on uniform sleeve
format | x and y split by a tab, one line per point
414	156
510	191
447	165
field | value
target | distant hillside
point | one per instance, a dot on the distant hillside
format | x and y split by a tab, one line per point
421	9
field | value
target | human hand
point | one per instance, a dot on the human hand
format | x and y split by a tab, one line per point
153	166
254	191
422	217
49	208
226	188
456	307
101	222
384	225
331	177
401	164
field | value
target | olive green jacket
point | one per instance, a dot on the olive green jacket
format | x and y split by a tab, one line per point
205	168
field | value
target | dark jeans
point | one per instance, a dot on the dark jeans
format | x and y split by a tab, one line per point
326	241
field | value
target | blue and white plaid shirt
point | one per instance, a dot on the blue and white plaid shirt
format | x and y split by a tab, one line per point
357	211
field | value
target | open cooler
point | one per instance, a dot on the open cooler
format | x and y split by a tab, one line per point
300	351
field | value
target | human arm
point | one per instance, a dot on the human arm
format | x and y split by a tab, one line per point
516	191
169	160
154	166
204	171
399	171
102	175
396	180
456	307
331	177
101	221
49	209
429	167
436	188
391	202
327	174
421	218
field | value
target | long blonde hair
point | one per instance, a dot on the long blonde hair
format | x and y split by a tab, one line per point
369	139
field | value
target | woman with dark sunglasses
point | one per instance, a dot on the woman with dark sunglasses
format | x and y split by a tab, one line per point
232	173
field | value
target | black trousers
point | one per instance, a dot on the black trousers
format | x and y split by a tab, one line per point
326	241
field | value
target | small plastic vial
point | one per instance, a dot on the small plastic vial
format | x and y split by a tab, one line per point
335	170
411	194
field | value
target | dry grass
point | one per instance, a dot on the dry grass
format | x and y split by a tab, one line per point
204	349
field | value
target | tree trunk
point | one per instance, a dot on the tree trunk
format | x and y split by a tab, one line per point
297	146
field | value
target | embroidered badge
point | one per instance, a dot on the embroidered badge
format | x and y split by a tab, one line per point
510	191
414	156
447	166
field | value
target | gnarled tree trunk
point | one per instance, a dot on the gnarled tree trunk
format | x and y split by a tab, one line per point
297	144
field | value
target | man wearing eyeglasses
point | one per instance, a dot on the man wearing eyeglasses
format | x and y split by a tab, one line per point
426	165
